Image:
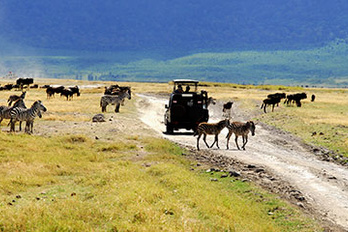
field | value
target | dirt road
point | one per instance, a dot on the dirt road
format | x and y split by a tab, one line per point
277	160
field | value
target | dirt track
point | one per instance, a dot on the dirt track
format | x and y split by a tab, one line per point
274	159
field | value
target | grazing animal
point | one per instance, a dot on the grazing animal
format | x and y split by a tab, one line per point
270	101
240	129
75	89
50	91
295	98
5	111
27	115
20	82
277	95
227	108
112	90
205	129
14	98
114	100
312	98
68	93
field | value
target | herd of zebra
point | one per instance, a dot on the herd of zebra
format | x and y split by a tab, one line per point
20	113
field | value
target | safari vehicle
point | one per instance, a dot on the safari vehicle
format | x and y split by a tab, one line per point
187	107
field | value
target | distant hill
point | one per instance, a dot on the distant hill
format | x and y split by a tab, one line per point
167	25
325	66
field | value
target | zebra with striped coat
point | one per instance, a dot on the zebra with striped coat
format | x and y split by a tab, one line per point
27	115
240	129
205	129
5	111
114	100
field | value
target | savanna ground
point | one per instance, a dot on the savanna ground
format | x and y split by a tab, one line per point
75	175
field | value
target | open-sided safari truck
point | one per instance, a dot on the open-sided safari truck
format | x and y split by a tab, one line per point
187	107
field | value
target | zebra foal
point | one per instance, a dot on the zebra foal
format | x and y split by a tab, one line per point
240	129
27	115
113	100
205	129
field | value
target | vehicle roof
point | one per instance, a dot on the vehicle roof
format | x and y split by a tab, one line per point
185	81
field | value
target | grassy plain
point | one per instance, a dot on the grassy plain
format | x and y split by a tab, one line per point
136	181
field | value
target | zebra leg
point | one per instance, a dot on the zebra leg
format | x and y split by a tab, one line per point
12	125
199	136
205	140
20	125
228	139
236	140
245	140
117	109
213	142
217	140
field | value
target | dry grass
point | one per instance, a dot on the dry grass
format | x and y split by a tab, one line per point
132	182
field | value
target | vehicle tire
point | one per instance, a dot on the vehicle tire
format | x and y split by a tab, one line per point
169	129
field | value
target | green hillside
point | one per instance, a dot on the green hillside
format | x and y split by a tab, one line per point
324	66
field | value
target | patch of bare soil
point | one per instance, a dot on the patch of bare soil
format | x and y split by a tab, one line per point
276	160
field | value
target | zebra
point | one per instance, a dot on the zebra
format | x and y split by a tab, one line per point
5	111
14	98
28	115
227	108
205	129
239	128
114	100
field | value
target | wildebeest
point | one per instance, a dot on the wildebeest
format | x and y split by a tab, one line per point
112	90
226	109
14	98
50	91
21	82
272	99
75	89
291	98
68	93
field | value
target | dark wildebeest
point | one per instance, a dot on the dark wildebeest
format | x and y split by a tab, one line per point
226	109
21	82
277	95
68	93
269	101
112	90
75	89
52	90
313	98
14	98
295	98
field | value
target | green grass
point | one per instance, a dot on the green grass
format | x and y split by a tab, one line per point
327	117
73	183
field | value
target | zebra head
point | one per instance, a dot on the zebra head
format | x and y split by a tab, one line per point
38	106
252	127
